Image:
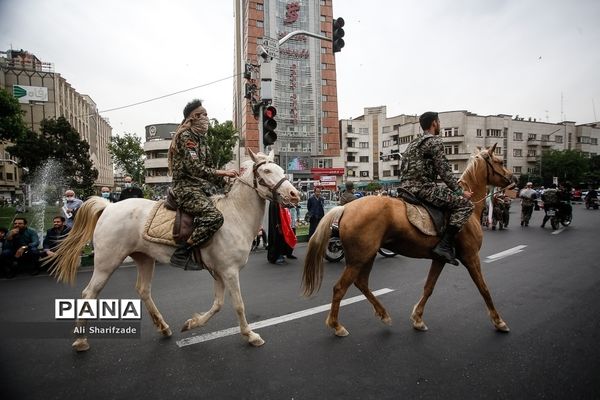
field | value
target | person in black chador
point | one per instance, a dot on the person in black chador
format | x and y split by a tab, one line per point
282	239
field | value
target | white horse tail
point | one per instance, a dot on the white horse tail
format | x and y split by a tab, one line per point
317	245
67	257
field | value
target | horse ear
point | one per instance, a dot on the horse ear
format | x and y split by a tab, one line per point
271	155
492	149
252	155
478	148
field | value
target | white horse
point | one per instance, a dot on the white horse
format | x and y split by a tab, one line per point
226	253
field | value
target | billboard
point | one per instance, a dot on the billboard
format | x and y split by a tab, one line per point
25	94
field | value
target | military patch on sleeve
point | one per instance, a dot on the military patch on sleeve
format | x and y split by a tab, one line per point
193	154
190	144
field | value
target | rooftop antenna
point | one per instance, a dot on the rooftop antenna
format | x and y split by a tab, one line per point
547	118
562	114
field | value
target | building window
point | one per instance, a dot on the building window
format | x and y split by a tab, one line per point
363	159
363	145
387	173
260	24
9	176
517	170
323	98
324	82
498	151
455	168
517	153
323	66
545	138
531	153
594	140
323	50
558	139
363	131
364	174
387	143
518	136
323	18
494	133
531	136
479	134
259	6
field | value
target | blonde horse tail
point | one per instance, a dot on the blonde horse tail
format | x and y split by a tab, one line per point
317	245
66	258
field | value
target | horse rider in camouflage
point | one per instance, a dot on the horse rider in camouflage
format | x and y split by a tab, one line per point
194	180
425	160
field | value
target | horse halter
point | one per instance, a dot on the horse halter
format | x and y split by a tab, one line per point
260	181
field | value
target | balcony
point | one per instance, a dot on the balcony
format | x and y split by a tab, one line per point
460	156
156	163
453	139
158	179
531	158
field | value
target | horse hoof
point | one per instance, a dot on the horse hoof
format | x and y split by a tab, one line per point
167	332
255	340
188	325
341	332
502	327
387	321
418	325
81	345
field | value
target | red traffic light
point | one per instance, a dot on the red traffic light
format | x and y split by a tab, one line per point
270	112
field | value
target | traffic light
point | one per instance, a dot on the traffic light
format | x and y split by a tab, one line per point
338	34
269	126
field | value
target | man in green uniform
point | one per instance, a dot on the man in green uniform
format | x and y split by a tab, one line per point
425	160
194	180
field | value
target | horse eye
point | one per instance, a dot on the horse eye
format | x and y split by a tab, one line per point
267	171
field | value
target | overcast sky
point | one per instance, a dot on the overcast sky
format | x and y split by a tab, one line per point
484	56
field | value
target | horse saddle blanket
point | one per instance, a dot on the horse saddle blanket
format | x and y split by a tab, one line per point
428	219
167	226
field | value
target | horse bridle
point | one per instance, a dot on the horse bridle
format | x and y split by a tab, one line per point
258	180
488	165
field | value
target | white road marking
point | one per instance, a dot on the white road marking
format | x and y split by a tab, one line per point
505	253
274	321
556	232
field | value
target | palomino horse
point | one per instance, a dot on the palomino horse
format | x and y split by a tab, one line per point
226	253
373	222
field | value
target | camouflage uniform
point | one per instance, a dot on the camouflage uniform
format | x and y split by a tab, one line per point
194	181
423	161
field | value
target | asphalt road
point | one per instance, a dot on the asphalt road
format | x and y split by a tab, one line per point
546	289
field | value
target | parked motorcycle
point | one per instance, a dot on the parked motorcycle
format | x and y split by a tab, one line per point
335	250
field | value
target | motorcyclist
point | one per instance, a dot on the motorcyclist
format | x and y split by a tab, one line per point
551	200
591	195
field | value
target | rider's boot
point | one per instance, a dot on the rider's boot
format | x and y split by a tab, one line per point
182	258
444	250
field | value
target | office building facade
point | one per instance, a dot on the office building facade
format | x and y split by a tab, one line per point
44	94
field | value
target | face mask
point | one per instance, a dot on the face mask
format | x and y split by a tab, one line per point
69	198
105	195
127	185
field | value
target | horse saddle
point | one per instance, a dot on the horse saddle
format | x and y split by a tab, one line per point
167	224
424	216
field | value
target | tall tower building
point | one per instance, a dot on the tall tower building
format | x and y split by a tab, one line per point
304	88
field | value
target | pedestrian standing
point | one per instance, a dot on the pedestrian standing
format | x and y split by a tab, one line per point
316	210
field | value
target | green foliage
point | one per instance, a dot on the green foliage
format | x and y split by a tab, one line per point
373	186
60	141
128	154
221	139
568	165
11	117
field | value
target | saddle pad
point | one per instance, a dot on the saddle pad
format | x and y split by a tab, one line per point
420	219
159	225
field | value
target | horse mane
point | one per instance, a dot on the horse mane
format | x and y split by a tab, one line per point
222	201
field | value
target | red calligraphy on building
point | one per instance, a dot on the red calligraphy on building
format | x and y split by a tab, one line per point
291	13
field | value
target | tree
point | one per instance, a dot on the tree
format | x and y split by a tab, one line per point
220	140
566	165
128	154
58	140
11	117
